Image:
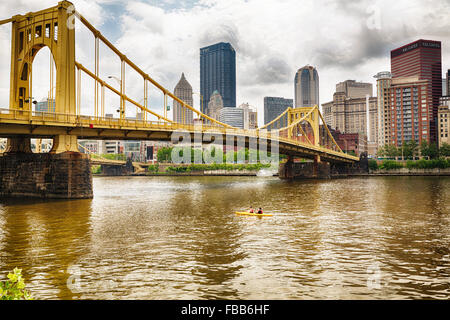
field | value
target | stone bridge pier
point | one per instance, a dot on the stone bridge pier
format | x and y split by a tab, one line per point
63	173
321	170
304	170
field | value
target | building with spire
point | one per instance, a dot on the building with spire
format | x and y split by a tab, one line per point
183	91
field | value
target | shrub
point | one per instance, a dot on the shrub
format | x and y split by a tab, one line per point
373	165
153	168
112	156
428	164
391	165
96	169
14	288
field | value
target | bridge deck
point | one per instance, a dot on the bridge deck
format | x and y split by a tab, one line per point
47	125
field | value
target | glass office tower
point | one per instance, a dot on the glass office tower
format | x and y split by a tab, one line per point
218	72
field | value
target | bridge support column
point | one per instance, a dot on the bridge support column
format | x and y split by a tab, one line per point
65	175
64	143
18	145
304	170
316	166
358	168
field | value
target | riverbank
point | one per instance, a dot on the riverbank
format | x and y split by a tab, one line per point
411	172
215	173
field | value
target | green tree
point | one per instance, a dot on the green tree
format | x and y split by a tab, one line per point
409	149
429	150
389	150
444	150
164	154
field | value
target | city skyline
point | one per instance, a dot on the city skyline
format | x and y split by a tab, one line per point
108	194
264	66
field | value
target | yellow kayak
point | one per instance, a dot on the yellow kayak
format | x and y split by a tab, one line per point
254	214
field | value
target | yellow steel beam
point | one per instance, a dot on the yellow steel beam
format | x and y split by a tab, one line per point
103	83
329	133
6	21
124	58
276	119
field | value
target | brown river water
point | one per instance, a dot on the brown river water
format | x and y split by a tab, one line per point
178	238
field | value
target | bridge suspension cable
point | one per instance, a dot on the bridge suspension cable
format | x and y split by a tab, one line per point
34	31
125	60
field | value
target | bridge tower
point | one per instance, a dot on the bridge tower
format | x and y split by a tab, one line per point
52	28
64	172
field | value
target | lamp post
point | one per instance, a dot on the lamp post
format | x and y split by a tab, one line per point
121	111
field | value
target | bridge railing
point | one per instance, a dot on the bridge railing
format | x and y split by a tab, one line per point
96	122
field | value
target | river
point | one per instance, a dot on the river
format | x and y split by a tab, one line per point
178	238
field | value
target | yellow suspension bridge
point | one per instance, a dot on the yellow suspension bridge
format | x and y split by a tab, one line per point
297	131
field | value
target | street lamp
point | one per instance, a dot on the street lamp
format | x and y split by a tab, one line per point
119	81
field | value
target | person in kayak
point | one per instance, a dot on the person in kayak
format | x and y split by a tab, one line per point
260	211
251	210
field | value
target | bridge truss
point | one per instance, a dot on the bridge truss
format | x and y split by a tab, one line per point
298	130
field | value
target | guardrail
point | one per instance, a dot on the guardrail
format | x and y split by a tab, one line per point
86	121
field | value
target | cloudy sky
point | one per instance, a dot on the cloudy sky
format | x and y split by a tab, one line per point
343	39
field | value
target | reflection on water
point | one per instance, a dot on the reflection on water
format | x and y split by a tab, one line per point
178	238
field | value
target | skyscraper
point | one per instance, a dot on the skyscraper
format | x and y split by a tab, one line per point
218	72
444	121
444	87
46	105
274	106
214	105
384	80
448	82
410	105
355	90
250	116
183	91
422	59
232	116
306	86
356	114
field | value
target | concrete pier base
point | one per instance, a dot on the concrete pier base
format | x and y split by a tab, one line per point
357	168
322	170
118	169
304	170
44	175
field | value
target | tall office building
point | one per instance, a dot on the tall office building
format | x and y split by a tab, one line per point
384	80
215	104
448	82
355	90
183	91
410	105
232	116
422	59
46	105
306	85
353	115
274	106
444	121
250	116
218	72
